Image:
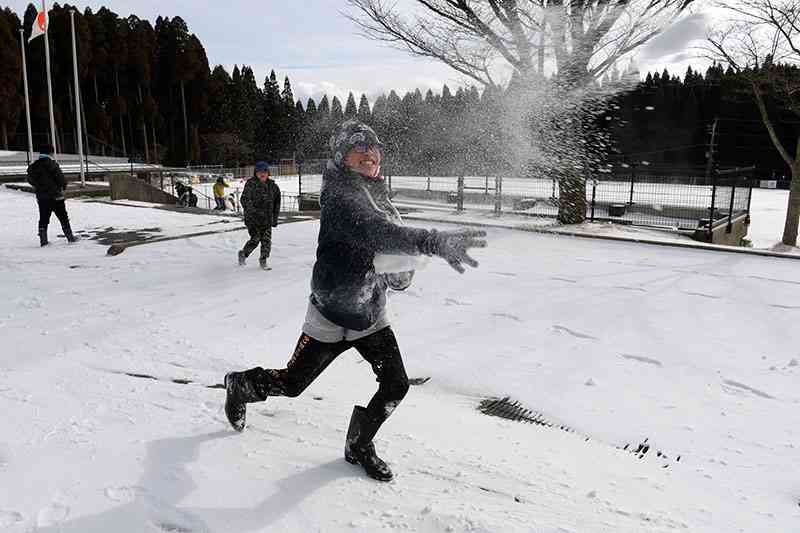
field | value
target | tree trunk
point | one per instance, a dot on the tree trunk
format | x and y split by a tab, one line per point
5	134
185	123
130	134
155	146
571	198
144	126
121	125
793	208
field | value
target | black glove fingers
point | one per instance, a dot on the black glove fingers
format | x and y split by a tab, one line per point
456	264
470	261
475	244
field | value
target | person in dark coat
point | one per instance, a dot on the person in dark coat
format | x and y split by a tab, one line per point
360	231
261	201
48	181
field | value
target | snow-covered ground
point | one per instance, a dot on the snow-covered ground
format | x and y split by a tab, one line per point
696	351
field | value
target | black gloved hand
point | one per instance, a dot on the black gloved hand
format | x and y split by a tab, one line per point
452	246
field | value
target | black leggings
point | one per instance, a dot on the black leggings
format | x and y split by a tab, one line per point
311	357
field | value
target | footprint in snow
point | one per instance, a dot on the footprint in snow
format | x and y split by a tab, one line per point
52	515
737	387
120	494
507	316
761	278
642	359
702	295
451	301
9	518
626	288
169	527
781	306
506	274
576	334
567	280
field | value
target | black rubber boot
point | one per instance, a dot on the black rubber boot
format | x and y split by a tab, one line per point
67	229
242	258
43	238
243	388
359	449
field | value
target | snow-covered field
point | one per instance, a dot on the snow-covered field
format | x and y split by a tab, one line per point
696	351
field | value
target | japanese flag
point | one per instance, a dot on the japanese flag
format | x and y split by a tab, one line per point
39	24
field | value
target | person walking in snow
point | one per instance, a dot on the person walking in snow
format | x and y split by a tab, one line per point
49	183
219	193
261	201
359	227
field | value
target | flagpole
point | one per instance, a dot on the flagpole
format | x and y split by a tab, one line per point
77	97
27	99
49	80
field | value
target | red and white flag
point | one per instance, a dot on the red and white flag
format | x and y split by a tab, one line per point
39	24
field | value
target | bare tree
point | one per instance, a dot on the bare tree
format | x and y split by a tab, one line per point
560	47
762	44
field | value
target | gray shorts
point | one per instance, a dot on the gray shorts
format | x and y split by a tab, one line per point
320	328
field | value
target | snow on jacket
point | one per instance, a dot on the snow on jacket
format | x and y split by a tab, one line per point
358	222
46	177
261	202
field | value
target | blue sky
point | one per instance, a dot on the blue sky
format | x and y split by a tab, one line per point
320	50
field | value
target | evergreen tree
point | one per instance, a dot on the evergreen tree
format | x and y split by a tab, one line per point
363	114
10	72
337	115
350	110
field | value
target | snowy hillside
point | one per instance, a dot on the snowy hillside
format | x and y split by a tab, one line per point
698	352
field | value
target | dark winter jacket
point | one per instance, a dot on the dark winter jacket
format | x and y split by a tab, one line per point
357	222
261	202
46	177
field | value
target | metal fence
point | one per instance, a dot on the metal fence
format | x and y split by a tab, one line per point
680	201
202	179
677	202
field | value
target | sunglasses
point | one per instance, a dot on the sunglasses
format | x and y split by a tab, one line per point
364	147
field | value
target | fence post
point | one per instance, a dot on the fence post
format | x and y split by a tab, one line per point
594	196
486	186
299	187
633	177
749	197
429	184
460	202
729	228
390	185
498	195
161	175
711	210
553	194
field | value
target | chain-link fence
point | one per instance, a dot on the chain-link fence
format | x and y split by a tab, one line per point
678	202
294	181
685	200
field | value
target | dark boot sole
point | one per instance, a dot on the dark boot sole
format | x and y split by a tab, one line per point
354	461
